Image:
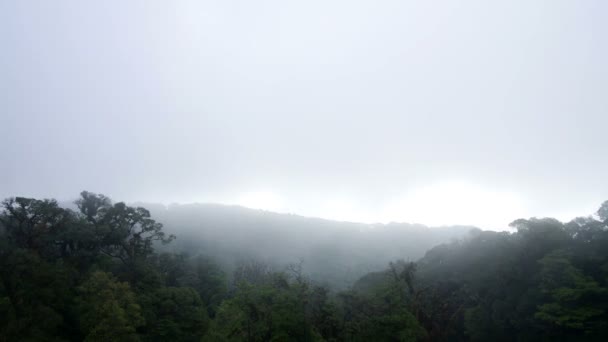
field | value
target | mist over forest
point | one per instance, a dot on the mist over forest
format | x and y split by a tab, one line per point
335	253
99	270
310	171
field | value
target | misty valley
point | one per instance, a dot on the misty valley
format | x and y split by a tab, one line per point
97	270
308	171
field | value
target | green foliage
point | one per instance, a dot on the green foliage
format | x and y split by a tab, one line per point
125	232
33	293
547	281
209	281
383	307
274	310
68	275
575	301
174	313
95	275
107	309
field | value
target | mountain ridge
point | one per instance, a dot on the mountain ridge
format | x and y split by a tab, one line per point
332	252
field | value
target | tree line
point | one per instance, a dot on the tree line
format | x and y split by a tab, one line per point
98	273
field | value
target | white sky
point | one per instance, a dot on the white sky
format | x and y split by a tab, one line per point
453	112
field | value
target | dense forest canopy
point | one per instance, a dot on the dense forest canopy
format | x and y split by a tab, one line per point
105	271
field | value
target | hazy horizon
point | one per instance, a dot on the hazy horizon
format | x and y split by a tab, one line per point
283	211
470	113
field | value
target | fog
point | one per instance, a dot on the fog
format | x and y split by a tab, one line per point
460	113
309	171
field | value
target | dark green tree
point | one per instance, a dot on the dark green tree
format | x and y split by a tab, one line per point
108	310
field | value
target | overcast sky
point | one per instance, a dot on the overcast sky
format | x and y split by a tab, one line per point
439	112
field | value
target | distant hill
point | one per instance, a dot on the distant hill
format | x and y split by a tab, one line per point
334	253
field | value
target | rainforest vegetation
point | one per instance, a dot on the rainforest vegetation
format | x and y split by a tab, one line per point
103	271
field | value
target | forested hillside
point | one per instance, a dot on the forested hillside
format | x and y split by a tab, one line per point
331	252
107	272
